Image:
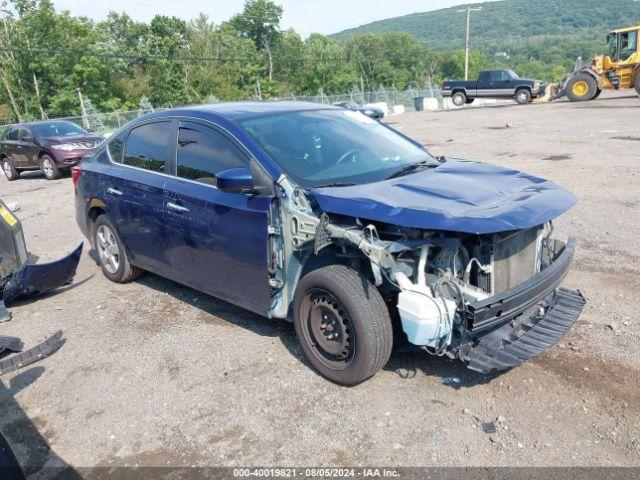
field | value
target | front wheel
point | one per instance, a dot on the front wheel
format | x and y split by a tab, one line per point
342	324
9	171
49	167
582	88
523	96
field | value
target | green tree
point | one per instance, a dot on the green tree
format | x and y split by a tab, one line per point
259	21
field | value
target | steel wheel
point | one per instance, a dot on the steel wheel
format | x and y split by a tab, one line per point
328	329
580	88
108	249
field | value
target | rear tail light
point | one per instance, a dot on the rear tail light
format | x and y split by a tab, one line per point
75	175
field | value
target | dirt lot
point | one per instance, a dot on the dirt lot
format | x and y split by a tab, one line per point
153	373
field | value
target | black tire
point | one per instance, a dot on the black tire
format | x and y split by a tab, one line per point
121	270
470	101
49	167
582	88
522	96
636	82
8	169
459	99
598	92
337	300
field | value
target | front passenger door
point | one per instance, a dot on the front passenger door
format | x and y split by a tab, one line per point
500	84
217	241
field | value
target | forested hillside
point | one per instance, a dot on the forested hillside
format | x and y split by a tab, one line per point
542	37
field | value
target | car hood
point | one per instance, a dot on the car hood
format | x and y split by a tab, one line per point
73	139
459	196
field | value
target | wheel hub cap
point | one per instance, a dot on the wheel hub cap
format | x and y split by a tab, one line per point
580	88
108	249
48	168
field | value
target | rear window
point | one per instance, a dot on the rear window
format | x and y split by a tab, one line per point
147	146
116	146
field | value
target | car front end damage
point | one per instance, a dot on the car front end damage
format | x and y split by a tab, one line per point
490	299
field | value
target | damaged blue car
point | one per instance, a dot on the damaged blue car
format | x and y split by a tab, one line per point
339	223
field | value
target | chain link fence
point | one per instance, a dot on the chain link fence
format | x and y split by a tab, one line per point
108	122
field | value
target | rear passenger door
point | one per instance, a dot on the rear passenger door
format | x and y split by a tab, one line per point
135	193
13	149
217	241
30	149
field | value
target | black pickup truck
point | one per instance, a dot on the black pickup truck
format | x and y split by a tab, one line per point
493	84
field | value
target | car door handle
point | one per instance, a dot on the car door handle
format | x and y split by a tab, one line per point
115	192
177	208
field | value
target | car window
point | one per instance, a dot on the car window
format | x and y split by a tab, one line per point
13	134
629	44
57	129
204	152
499	76
146	146
24	133
115	147
325	147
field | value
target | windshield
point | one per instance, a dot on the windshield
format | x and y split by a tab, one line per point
334	147
513	74
57	129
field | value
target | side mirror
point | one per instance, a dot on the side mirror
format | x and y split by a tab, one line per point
27	138
235	180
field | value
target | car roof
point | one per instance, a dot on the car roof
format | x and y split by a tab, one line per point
628	29
238	111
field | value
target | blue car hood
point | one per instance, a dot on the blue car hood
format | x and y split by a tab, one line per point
458	196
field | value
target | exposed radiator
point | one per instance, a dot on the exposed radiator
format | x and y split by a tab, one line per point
516	258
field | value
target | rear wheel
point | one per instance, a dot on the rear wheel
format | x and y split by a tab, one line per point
523	96
9	172
113	257
459	99
342	324
49	167
636	83
582	88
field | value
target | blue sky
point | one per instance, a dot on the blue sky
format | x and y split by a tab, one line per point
306	16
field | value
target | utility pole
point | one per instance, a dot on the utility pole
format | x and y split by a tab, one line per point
466	50
85	117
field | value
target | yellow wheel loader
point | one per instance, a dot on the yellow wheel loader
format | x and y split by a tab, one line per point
618	70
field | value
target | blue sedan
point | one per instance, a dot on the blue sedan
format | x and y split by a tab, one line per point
339	223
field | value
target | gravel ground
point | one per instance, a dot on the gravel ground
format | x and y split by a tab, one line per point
156	374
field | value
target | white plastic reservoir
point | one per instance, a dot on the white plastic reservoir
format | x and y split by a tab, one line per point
425	319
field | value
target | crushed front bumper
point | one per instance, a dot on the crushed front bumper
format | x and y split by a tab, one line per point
512	327
19	278
36	279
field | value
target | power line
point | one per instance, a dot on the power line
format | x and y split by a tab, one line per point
147	57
